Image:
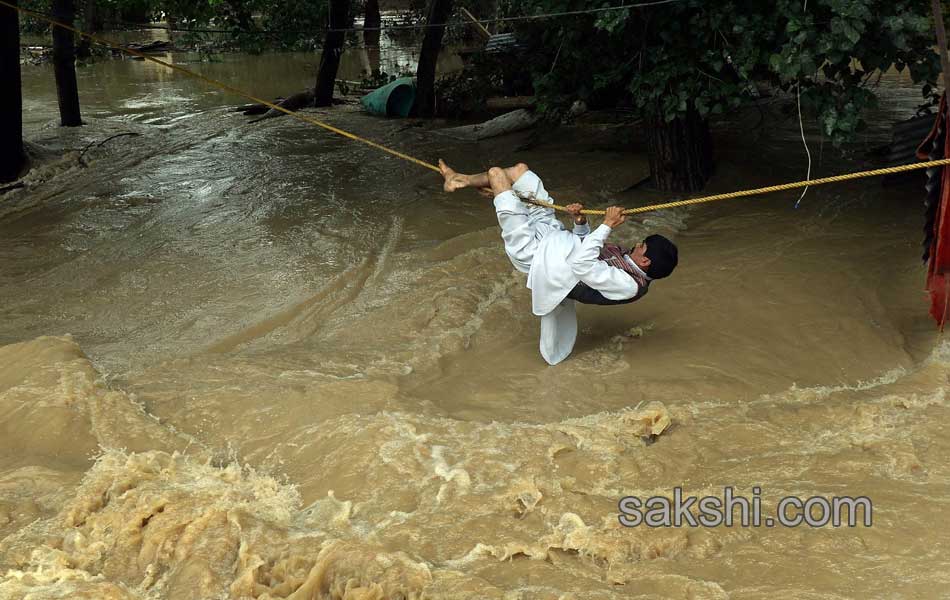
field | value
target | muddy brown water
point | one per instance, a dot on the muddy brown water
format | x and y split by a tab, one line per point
266	362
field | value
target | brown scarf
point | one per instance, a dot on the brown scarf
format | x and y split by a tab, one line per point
614	255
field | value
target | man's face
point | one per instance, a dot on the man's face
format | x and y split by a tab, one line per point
638	255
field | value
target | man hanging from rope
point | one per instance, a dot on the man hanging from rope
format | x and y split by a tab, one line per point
565	266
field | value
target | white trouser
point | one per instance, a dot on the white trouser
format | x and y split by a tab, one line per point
522	232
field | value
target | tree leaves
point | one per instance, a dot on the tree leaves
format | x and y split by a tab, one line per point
707	56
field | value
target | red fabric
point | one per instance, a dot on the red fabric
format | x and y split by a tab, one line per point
938	269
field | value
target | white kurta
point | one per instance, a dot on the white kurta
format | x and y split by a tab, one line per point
555	260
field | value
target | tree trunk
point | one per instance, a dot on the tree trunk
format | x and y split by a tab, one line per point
64	64
372	21
242	15
332	50
12	158
370	57
172	24
680	153
438	14
84	45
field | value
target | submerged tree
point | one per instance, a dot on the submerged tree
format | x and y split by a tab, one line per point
64	64
681	63
12	158
332	51
372	21
436	16
90	21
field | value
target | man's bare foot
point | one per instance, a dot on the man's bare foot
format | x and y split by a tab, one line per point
453	181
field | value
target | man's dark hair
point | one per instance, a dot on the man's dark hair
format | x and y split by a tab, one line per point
663	256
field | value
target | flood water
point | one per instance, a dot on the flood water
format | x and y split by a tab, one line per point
263	361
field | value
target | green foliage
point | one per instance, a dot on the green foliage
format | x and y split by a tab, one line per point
31	25
465	92
292	24
111	13
485	75
705	56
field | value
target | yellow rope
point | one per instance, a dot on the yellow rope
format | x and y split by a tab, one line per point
767	190
422	163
